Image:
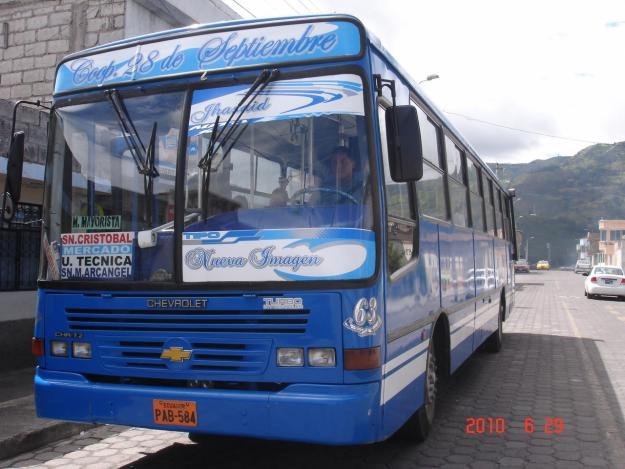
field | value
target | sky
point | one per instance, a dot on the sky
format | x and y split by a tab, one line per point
553	70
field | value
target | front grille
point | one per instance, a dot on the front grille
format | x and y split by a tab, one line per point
242	321
249	356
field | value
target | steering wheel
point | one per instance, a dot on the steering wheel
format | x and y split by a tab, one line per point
298	193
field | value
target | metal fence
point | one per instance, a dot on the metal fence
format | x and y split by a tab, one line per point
19	249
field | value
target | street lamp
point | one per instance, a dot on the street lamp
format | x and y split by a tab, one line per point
429	78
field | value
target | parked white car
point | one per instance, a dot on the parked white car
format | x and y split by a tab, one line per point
605	280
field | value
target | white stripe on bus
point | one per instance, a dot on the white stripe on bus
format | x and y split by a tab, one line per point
404	357
395	381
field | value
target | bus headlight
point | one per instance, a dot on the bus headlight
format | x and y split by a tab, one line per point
321	357
59	348
290	357
81	350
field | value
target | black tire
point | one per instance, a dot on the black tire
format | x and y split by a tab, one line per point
585	293
418	427
494	343
199	438
212	442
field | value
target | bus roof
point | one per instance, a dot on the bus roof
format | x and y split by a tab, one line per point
214	48
208	27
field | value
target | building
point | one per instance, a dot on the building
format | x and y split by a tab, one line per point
611	242
588	247
34	36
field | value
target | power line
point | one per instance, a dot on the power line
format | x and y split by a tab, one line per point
244	9
291	7
494	124
314	5
305	6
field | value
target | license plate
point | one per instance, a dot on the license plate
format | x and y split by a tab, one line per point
609	281
175	412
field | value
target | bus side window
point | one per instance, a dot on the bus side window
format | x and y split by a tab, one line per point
431	187
500	216
506	205
457	188
475	194
488	205
401	218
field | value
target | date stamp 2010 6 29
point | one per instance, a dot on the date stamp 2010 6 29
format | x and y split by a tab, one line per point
497	425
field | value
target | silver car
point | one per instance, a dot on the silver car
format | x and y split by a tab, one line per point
583	267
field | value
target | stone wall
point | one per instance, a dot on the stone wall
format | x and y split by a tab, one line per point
33	122
40	33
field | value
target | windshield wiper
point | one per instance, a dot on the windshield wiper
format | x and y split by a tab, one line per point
143	158
231	131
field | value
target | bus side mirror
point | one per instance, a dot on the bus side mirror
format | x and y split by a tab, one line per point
404	144
13	183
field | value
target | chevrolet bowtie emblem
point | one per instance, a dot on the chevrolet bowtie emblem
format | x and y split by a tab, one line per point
176	354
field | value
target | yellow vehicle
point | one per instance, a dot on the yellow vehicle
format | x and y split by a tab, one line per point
542	265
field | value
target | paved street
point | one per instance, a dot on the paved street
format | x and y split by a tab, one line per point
558	385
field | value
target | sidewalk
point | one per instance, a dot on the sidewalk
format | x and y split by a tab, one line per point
21	430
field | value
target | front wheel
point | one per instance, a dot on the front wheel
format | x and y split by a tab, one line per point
494	343
419	425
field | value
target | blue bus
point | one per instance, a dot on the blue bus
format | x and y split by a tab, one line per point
263	229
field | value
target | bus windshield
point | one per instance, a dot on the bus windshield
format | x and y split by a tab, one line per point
98	197
286	197
297	161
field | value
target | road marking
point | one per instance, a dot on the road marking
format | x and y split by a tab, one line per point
571	320
607	421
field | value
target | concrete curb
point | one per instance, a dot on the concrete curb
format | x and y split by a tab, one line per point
27	441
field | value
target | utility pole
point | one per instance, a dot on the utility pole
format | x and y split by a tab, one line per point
549	252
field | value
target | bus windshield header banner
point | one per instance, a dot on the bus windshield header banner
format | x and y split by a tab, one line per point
284	99
212	51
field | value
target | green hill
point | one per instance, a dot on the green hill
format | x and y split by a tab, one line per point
560	199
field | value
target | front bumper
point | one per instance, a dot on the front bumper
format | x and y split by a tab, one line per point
314	413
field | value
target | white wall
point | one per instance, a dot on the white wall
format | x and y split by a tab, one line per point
147	16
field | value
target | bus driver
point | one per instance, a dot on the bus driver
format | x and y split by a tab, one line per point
343	181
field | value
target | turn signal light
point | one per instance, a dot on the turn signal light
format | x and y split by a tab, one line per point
362	358
37	347
623	281
593	279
